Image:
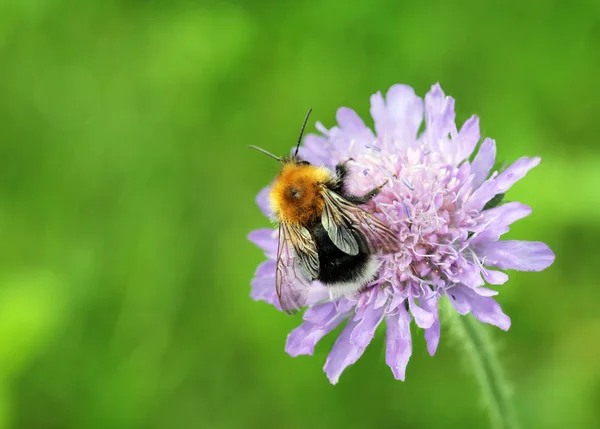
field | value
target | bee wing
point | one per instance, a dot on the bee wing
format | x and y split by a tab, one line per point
297	265
337	225
340	217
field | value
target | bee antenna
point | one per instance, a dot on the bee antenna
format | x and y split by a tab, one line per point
302	132
265	152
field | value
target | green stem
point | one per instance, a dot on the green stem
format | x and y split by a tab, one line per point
483	361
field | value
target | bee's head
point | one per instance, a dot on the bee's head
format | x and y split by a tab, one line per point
293	158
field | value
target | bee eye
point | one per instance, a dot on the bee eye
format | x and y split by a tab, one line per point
295	193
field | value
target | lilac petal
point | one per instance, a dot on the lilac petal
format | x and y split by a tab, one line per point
501	183
468	137
263	288
515	172
506	213
379	114
484	308
349	138
432	335
483	162
364	331
470	275
364	303
318	314
266	269
406	108
262	200
264	239
482	195
398	342
423	318
399	116
349	121
439	117
487	310
494	277
343	353
517	255
397	301
458	300
381	299
302	340
315	150
483	291
344	305
498	219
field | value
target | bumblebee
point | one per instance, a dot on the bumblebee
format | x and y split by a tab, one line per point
323	233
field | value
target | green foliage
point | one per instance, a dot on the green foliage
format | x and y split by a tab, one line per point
494	202
127	191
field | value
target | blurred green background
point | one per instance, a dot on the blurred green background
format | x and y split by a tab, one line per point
127	192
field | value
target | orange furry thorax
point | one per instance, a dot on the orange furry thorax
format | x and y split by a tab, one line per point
296	193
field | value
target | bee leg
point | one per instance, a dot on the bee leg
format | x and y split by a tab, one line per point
369	195
375	191
341	171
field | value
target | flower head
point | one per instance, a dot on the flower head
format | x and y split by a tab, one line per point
439	204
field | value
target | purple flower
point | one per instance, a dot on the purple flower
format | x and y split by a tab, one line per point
435	200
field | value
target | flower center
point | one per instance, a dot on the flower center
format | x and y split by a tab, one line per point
421	204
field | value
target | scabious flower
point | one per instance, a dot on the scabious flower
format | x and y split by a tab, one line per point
437	200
